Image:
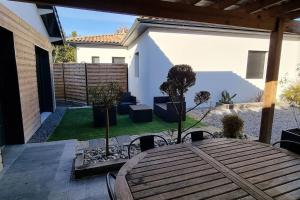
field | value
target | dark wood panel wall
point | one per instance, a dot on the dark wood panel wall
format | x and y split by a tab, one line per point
72	81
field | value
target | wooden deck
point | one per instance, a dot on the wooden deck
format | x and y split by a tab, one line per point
211	169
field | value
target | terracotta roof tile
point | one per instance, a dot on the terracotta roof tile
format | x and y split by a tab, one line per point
115	38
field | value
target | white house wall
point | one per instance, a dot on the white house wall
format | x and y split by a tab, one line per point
220	60
29	13
85	53
140	86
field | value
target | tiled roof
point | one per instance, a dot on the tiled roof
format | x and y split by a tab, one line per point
115	38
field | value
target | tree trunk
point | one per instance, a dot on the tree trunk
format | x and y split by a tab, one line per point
107	132
180	112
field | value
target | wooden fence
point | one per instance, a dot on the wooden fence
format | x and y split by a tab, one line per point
73	80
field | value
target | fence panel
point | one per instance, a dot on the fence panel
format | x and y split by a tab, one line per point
73	80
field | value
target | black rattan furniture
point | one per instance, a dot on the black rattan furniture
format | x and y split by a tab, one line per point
196	136
146	142
140	113
125	101
289	145
110	180
99	115
166	110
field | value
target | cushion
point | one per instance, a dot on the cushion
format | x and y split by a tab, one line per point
162	105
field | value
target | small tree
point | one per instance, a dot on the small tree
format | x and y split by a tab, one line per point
292	95
106	96
64	54
180	78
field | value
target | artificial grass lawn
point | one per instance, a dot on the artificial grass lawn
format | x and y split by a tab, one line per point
78	124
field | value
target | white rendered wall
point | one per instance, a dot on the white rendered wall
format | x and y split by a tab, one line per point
29	13
220	60
105	53
140	86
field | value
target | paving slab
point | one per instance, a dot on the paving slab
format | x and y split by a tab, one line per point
44	171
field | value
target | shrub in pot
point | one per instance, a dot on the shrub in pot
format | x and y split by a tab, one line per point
105	98
292	95
232	126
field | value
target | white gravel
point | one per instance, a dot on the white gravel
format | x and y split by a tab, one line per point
283	119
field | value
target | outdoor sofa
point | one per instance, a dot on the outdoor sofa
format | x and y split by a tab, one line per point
126	100
165	109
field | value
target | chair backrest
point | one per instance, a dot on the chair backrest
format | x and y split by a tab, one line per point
146	142
110	184
196	135
125	96
289	145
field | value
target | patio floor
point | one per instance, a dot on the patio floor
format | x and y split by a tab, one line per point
43	171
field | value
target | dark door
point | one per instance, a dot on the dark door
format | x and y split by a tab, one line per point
2	133
44	80
11	123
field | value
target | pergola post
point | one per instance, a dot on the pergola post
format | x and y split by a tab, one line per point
271	81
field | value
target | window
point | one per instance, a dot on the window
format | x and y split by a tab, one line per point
118	60
256	64
95	59
136	64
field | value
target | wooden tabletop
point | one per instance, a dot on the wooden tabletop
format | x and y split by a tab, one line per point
211	169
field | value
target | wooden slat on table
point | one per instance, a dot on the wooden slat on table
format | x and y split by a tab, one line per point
215	169
175	172
271	170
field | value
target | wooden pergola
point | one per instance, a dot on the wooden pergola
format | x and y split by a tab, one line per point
276	16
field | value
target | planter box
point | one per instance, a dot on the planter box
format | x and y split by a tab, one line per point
239	105
292	135
81	170
224	106
99	116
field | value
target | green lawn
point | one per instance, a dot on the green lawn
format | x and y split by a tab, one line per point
78	124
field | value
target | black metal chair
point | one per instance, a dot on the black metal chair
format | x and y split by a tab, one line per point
146	142
110	180
196	136
289	145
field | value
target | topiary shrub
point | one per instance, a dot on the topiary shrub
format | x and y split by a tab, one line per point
232	126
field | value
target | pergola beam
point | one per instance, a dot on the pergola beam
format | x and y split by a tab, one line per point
271	82
283	9
222	4
167	10
253	7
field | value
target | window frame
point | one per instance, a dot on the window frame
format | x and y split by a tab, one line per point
137	64
93	59
260	73
118	57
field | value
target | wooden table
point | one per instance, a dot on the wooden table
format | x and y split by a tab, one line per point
211	169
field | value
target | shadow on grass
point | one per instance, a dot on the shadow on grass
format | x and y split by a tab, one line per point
78	124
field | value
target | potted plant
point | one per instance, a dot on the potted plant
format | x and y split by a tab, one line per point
105	98
226	98
292	95
232	126
180	78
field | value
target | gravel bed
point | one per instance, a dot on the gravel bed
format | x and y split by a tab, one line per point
283	119
48	127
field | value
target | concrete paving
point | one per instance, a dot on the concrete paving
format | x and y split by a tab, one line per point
44	171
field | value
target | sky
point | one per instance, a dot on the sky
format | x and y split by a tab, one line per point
92	22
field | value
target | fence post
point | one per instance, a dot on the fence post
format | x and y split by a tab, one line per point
86	84
63	73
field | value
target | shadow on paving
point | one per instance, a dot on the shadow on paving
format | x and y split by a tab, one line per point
44	171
